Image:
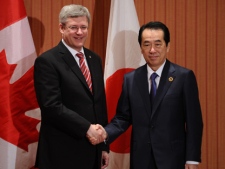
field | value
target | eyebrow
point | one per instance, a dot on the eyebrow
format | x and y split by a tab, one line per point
154	41
157	41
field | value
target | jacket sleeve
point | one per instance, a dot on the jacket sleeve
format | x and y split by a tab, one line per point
194	123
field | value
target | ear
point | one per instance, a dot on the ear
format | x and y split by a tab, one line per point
168	47
141	51
61	28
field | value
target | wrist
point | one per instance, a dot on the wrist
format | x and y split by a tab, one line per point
106	139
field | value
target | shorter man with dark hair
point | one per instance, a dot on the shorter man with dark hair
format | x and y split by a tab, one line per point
160	100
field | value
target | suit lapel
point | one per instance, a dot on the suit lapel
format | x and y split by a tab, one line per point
142	83
165	82
69	59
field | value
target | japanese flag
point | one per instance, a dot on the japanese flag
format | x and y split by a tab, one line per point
123	55
19	113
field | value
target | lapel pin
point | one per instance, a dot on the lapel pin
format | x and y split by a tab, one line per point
170	79
89	56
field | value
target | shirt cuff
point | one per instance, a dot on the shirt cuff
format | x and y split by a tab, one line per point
107	139
192	162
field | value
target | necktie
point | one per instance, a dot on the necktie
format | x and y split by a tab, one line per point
84	69
153	86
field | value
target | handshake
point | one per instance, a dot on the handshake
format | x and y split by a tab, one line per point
96	134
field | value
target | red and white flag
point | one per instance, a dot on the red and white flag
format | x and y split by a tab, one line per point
19	112
123	55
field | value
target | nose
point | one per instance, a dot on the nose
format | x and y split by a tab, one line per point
152	49
79	31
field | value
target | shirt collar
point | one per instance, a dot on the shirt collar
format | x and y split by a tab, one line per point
73	51
158	71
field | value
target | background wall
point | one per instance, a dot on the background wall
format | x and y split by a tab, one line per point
197	42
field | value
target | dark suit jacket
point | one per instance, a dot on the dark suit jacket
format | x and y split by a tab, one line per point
172	126
67	109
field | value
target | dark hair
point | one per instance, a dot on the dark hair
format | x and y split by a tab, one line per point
155	25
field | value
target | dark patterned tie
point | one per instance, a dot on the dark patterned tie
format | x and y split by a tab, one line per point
153	87
84	69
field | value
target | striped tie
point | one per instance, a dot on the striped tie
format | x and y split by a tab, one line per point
84	69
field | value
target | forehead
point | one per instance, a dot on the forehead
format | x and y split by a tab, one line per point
152	35
77	20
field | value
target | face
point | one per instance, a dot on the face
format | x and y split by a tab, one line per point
153	47
75	32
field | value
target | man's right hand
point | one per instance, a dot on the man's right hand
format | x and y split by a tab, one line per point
96	134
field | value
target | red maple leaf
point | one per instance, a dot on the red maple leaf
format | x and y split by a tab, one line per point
15	100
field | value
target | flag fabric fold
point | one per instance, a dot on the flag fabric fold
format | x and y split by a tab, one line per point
19	112
123	55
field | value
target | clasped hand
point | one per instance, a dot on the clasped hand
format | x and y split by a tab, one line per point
96	134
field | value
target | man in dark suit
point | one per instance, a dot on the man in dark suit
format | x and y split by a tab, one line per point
167	127
70	104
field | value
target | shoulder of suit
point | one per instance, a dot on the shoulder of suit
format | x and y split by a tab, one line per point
53	52
137	70
90	54
49	52
180	68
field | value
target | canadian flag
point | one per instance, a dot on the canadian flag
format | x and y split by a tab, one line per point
123	55
19	112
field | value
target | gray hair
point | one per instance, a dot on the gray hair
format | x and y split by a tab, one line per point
73	11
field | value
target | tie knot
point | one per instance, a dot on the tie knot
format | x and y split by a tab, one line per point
153	76
80	55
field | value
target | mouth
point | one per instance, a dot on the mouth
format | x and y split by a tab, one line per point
78	38
153	56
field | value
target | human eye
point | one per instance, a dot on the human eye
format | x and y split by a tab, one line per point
158	45
73	28
83	28
146	44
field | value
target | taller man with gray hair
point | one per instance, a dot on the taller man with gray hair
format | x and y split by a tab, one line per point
69	86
